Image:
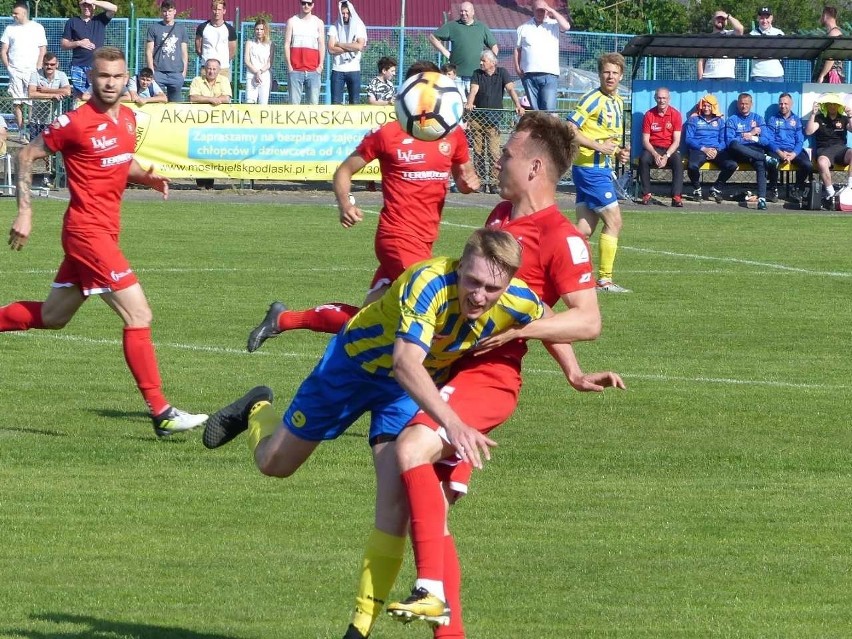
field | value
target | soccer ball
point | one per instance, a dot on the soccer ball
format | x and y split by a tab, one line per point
429	106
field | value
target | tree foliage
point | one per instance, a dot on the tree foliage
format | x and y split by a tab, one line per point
794	17
631	16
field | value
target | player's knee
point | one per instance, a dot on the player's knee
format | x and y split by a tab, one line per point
53	321
272	467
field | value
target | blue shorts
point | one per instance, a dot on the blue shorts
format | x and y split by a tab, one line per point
80	79
594	187
338	392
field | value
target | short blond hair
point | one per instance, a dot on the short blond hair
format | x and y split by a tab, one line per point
500	248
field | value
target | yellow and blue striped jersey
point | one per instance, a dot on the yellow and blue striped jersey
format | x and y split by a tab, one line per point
422	307
600	117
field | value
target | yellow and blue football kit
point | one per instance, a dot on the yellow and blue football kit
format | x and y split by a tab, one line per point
600	117
355	374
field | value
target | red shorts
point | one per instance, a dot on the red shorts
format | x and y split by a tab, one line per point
483	391
94	264
396	254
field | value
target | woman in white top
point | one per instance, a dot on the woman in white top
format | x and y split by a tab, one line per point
258	56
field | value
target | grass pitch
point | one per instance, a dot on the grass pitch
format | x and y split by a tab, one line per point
711	499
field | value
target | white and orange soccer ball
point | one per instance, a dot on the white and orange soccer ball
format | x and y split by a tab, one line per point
429	106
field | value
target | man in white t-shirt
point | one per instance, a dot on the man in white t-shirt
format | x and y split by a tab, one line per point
22	48
537	55
766	70
304	50
346	39
216	39
720	68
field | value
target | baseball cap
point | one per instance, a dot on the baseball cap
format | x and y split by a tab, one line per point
764	11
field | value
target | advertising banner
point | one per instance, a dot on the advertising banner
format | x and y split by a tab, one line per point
254	142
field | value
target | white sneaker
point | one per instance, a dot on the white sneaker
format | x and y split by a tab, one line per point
608	286
173	420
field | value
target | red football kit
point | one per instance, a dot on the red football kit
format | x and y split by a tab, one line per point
97	152
661	128
483	390
415	175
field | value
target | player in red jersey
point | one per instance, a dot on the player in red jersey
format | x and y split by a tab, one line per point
484	389
97	142
415	175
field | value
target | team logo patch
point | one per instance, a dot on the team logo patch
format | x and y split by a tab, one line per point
444	147
579	250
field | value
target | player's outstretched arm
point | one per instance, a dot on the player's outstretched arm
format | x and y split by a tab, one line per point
350	214
148	177
584	382
470	444
23	224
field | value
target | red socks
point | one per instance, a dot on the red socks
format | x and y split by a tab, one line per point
142	362
21	316
452	592
328	318
426	502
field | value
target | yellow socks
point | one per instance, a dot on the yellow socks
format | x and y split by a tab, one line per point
379	568
263	421
607	245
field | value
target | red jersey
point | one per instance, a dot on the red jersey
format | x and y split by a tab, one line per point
97	151
662	127
555	260
415	176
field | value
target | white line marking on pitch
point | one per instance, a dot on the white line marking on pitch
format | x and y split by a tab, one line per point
712	380
67	337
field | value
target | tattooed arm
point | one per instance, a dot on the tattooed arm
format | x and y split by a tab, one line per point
23	224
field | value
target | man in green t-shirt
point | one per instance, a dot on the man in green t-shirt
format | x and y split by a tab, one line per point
467	38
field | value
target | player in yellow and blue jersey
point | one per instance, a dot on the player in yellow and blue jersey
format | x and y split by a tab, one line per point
598	121
390	358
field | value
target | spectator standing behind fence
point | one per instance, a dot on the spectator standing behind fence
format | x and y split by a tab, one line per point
346	39
742	137
143	89
304	49
766	70
661	131
382	88
704	134
258	56
784	137
167	52
832	70
721	68
50	83
828	125
216	39
22	48
486	93
82	35
467	37
537	55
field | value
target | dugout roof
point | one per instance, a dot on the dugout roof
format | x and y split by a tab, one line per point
744	46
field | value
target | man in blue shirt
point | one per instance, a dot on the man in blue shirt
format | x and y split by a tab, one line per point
742	136
82	35
784	137
704	134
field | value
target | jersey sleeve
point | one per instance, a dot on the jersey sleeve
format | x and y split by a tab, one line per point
371	146
420	300
232	32
570	265
199	30
461	152
60	134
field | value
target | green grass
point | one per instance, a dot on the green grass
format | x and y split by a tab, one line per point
711	499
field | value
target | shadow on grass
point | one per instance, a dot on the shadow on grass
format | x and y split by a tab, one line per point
33	431
121	414
99	628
